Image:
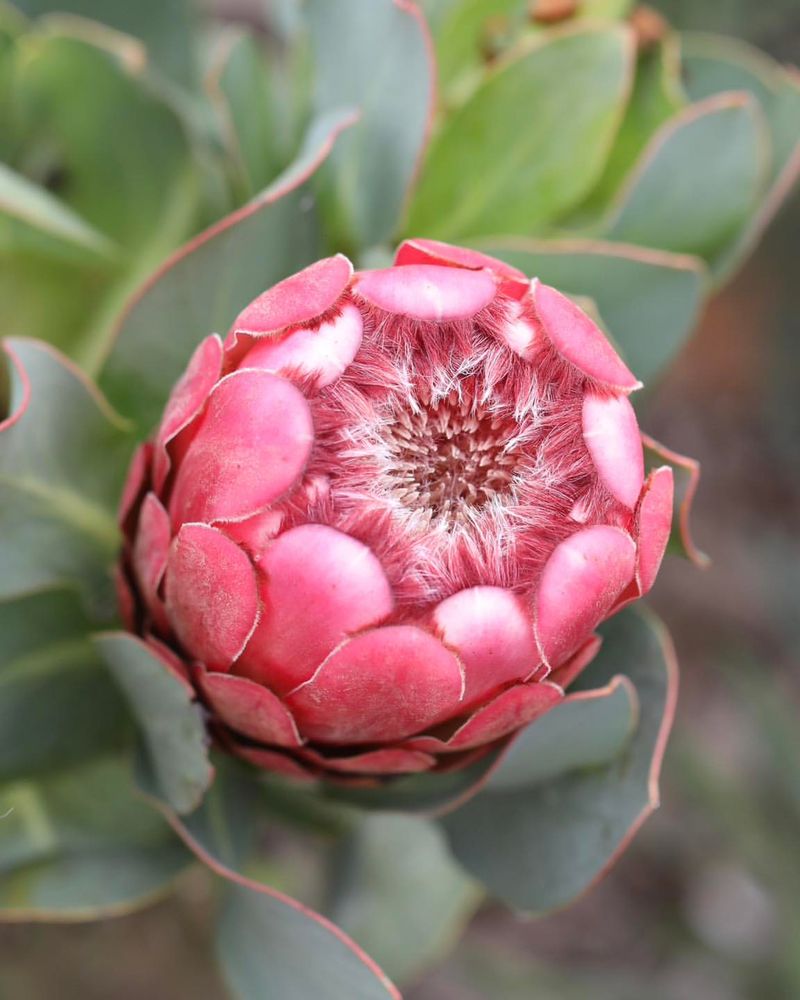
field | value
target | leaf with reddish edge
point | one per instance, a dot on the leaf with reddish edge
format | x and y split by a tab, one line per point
77	843
587	729
268	952
698	181
57	501
649	299
713	64
206	283
172	725
246	88
686	472
397	890
269	945
657	95
365	183
540	846
520	152
57	703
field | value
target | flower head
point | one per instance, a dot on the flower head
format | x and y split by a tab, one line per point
378	525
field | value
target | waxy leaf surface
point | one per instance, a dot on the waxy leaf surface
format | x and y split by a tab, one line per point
539	847
523	150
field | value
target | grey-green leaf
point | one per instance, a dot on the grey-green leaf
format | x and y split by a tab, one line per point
656	96
523	150
698	181
398	892
713	65
587	729
268	944
36	207
267	948
165	28
241	85
80	844
170	719
57	703
540	846
62	460
372	55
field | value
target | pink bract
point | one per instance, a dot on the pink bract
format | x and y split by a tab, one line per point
380	525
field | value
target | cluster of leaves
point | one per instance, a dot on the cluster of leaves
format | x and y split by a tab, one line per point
630	169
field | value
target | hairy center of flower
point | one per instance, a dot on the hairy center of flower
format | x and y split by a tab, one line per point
450	456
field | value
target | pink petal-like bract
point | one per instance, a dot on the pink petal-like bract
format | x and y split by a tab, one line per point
297	299
581	581
211	595
250	449
580	341
427	292
612	437
378	527
348	700
492	633
319	585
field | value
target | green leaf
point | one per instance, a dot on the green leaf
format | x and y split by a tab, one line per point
79	844
610	9
170	719
265	938
521	152
371	55
698	181
267	947
72	87
656	97
588	728
242	86
63	454
203	286
57	702
397	891
649	300
712	65
70	96
540	846
53	265
166	29
36	207
466	32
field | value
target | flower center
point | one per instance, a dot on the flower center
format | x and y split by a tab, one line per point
450	457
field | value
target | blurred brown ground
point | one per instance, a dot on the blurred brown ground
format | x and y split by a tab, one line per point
706	903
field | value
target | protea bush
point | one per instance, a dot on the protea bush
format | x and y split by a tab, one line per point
379	524
363	556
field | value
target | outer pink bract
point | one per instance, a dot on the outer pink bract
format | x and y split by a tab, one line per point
380	524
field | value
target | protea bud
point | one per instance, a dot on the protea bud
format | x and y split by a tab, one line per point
378	525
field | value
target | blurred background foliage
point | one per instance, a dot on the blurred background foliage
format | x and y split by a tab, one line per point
706	903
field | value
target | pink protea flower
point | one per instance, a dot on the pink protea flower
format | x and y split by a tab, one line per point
377	527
